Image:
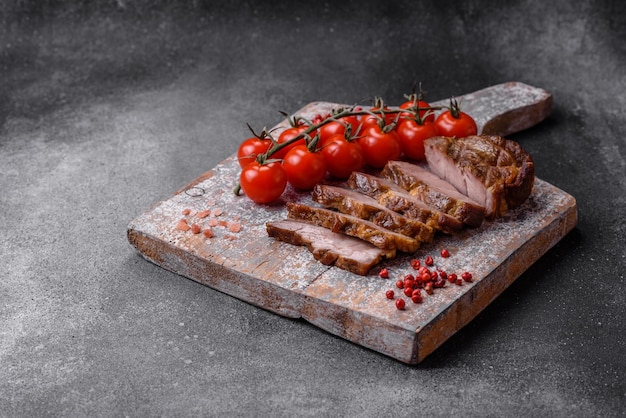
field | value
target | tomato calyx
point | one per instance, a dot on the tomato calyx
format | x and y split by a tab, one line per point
295	121
312	142
416	108
264	134
454	108
416	96
421	115
382	115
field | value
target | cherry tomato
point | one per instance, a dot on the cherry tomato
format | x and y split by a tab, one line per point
287	135
353	121
379	146
419	104
304	169
453	122
340	126
412	135
342	157
368	120
263	183
330	129
250	148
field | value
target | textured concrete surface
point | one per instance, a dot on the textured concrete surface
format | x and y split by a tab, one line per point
105	110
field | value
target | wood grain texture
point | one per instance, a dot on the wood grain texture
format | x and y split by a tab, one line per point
287	280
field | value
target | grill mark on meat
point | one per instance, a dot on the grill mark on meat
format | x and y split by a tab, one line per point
353	226
357	204
490	169
435	192
330	248
397	199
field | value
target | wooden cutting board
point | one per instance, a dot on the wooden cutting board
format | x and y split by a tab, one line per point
287	280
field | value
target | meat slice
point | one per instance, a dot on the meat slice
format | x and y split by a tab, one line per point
492	170
357	204
435	192
397	199
330	248
353	226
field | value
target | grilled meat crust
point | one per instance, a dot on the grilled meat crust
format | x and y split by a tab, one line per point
395	198
435	192
357	204
467	180
353	226
496	172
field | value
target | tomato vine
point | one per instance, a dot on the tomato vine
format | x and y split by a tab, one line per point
360	136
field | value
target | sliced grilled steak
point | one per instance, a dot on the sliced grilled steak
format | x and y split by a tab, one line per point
330	248
357	204
397	199
353	226
492	170
435	192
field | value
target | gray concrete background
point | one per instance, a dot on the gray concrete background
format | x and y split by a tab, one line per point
106	109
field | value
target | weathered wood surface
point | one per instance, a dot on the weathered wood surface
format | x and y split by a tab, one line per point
287	280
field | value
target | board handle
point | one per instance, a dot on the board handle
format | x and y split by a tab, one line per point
501	109
506	108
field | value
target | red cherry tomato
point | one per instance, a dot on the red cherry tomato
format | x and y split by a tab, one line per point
330	129
412	135
250	148
339	126
286	136
353	121
369	120
342	157
416	104
379	147
263	183
453	122
374	119
304	169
